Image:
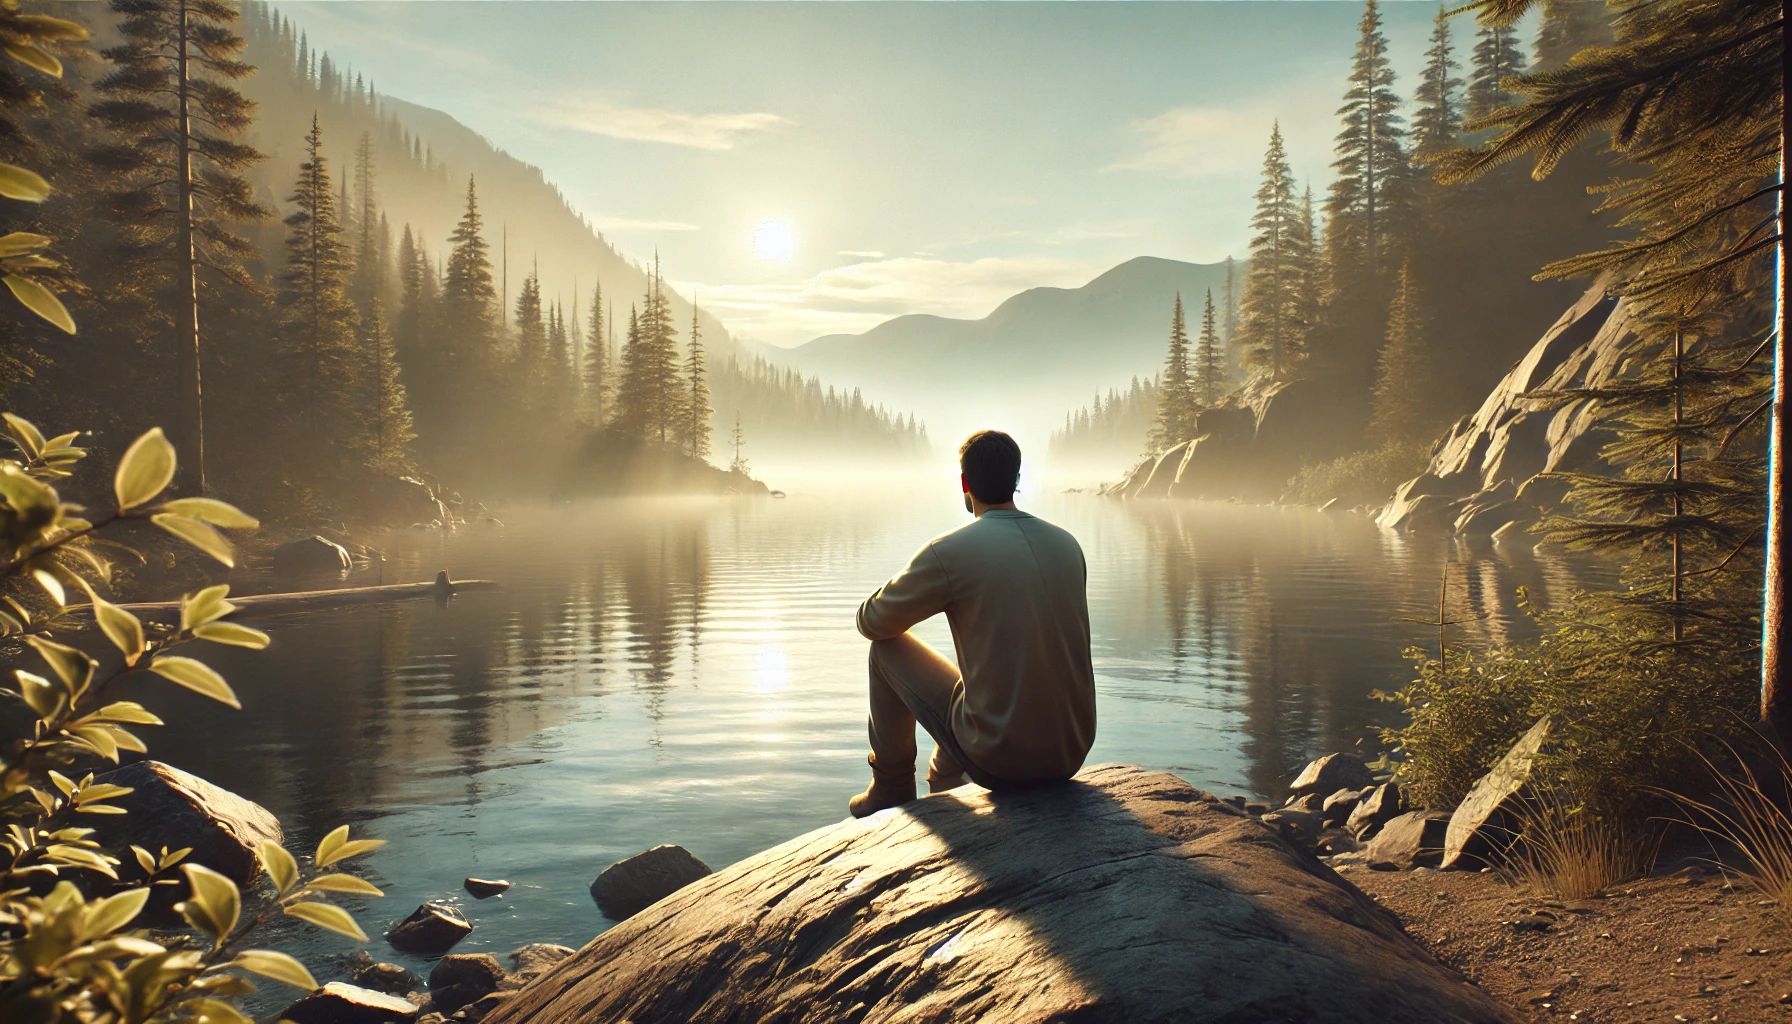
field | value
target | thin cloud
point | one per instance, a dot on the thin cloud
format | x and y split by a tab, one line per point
863	254
623	224
648	124
1188	142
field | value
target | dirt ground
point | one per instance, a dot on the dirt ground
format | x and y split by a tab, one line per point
1684	947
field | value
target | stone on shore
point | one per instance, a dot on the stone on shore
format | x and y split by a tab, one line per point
170	808
485	888
630	886
1337	807
1332	773
431	930
461	978
1301	828
1412	840
1487	819
337	1003
1373	811
533	960
1121	896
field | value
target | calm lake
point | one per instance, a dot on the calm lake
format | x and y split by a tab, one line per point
686	671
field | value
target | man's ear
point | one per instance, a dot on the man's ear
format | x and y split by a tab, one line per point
964	484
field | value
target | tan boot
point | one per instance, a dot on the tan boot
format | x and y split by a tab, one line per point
937	784
887	789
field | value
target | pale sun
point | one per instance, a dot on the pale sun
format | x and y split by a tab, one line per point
773	240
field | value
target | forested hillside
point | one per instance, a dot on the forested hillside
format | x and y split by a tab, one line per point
372	291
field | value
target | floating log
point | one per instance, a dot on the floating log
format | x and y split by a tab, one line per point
261	606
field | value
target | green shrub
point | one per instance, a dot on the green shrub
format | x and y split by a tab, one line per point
68	952
1632	716
1360	478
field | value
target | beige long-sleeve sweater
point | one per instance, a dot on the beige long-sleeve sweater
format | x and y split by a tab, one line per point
1014	589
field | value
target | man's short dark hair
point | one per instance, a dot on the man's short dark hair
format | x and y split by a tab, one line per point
990	462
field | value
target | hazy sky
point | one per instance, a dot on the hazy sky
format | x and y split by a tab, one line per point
924	157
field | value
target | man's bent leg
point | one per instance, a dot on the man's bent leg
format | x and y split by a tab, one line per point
908	678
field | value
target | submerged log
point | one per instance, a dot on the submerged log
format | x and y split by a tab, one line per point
1121	896
261	606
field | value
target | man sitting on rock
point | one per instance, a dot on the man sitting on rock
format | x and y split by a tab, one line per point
1019	707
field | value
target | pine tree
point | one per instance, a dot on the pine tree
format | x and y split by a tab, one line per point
370	257
531	340
597	363
738	441
1365	210
651	396
1177	406
697	410
315	332
412	266
559	387
468	300
386	427
1308	267
1230	301
1402	396
171	102
1268	327
1497	57
1209	383
1570	26
1439	116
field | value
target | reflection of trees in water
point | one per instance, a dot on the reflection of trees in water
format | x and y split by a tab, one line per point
1291	619
665	579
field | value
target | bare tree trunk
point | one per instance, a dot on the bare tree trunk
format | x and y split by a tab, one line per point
1776	630
190	413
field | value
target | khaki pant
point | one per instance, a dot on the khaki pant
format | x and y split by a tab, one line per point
910	683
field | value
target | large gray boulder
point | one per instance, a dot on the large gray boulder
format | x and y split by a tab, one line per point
630	886
171	808
1121	896
1487	818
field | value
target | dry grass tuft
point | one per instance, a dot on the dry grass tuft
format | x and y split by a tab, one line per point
1749	813
1564	849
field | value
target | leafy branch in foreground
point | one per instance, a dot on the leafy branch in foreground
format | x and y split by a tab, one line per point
68	948
31	40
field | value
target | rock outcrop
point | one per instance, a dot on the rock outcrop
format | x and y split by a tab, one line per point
1246	447
1122	896
1486	473
170	808
312	555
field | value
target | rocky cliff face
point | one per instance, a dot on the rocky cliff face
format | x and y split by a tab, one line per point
1122	896
1487	472
1248	446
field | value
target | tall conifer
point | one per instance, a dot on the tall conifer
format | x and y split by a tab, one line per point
1439	116
468	298
1209	378
1497	57
1268	326
386	427
697	410
1402	382
1364	212
370	257
172	103
1177	405
597	364
316	328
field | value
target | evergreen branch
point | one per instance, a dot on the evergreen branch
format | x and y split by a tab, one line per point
1737	429
1740	548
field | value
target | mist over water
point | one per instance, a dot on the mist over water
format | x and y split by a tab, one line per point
686	671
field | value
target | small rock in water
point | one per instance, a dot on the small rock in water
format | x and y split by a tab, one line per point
1332	773
431	931
1257	808
391	979
485	888
630	886
337	1003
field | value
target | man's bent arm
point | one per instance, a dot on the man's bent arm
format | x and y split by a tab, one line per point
918	592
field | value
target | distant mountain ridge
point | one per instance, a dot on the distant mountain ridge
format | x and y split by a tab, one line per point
1038	354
